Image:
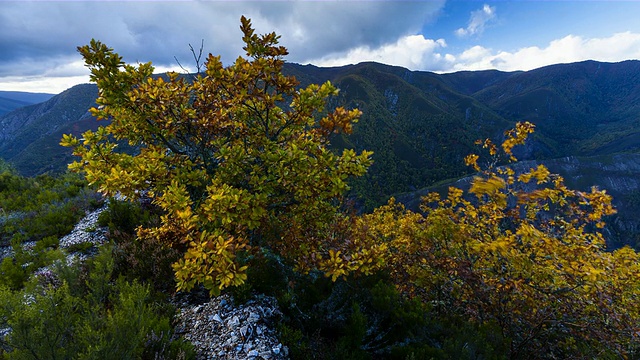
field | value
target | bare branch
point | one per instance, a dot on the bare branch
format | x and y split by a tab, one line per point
196	57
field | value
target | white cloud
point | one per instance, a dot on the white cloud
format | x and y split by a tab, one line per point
414	52
478	21
32	33
571	48
38	39
61	74
41	83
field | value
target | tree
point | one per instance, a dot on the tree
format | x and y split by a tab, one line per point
527	259
237	159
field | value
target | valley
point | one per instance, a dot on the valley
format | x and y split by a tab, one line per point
420	125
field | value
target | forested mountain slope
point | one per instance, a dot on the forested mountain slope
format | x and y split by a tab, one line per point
419	124
29	136
11	100
585	108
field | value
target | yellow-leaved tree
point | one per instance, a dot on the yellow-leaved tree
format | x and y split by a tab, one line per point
528	260
237	159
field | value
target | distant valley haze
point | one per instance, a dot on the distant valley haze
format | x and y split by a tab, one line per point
38	39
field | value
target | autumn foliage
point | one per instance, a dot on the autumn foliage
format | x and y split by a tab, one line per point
528	259
236	158
238	161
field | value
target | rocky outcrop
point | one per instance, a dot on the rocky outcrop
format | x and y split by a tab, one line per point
85	231
218	329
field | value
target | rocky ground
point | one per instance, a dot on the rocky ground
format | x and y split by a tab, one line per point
86	230
221	330
216	327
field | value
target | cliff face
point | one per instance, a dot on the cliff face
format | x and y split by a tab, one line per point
618	174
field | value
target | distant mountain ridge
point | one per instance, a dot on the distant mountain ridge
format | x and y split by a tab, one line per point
577	105
419	124
30	135
11	100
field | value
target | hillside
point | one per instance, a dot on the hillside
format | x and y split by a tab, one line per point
229	193
618	174
8	105
404	114
419	124
29	136
586	108
11	100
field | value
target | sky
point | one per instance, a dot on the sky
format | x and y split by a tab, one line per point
38	39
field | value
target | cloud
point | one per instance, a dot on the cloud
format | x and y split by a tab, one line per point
414	52
41	83
478	21
38	39
36	36
571	48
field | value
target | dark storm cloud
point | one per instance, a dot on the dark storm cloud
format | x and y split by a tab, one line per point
38	36
315	29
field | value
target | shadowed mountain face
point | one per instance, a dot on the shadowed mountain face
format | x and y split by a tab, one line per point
29	136
420	125
11	100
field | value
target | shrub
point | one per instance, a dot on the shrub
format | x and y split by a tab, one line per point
124	216
145	259
91	316
238	159
15	270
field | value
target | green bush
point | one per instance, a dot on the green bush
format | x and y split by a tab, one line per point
35	208
15	270
123	216
90	316
145	259
367	318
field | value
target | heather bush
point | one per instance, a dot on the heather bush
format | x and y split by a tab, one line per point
124	216
144	259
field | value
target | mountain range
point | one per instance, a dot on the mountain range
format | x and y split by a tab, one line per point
420	125
11	100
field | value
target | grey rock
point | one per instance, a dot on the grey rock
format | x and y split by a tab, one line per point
216	318
253	317
226	331
244	331
235	321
